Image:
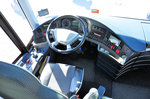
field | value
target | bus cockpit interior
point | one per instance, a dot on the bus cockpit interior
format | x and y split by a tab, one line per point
75	49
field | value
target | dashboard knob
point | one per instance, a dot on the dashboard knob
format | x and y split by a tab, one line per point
102	49
35	55
123	56
106	52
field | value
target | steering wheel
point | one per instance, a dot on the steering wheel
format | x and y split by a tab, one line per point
65	40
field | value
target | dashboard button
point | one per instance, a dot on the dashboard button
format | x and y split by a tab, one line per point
123	56
117	51
45	34
28	61
102	49
111	47
106	52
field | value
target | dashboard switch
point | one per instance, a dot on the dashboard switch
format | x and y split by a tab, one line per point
111	47
28	61
45	34
117	51
102	49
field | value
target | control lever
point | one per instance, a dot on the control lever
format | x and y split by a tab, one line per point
34	54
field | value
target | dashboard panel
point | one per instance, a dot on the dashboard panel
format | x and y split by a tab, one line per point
108	42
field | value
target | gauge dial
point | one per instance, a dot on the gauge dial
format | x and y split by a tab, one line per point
66	23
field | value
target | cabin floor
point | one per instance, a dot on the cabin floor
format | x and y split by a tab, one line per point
132	85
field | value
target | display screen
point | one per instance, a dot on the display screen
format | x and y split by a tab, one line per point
45	26
75	23
114	40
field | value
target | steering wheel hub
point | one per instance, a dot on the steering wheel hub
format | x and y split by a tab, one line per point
65	36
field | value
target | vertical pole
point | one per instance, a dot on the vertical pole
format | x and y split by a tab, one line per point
28	12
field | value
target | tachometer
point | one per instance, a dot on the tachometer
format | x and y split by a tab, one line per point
66	23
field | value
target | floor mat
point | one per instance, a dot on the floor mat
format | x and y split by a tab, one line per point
132	85
126	91
93	76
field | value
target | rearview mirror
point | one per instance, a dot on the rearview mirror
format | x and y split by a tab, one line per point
43	12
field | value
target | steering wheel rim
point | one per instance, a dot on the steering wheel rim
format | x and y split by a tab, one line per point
51	31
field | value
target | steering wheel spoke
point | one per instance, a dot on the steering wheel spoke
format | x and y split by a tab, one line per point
52	31
69	47
55	43
80	38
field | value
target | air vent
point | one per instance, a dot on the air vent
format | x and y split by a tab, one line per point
75	43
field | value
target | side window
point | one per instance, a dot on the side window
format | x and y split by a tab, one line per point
8	51
14	15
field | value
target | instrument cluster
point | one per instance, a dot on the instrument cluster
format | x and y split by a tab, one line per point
67	23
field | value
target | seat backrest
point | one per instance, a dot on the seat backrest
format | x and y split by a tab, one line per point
18	83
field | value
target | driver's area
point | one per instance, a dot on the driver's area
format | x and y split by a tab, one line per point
59	40
61	77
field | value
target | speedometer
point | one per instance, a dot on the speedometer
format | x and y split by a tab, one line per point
66	23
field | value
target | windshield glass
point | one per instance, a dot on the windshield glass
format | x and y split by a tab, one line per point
124	8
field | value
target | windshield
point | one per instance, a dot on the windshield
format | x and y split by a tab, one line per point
124	8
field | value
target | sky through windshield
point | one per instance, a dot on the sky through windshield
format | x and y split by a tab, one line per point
124	8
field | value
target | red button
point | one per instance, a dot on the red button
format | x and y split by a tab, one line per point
28	61
117	51
111	47
45	34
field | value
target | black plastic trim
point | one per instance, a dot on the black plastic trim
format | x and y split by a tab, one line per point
12	34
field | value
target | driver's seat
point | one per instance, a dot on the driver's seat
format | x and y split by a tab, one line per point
18	83
64	78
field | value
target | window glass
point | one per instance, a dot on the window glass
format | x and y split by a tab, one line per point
123	8
8	51
17	20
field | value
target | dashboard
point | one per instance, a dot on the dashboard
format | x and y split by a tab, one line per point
108	42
